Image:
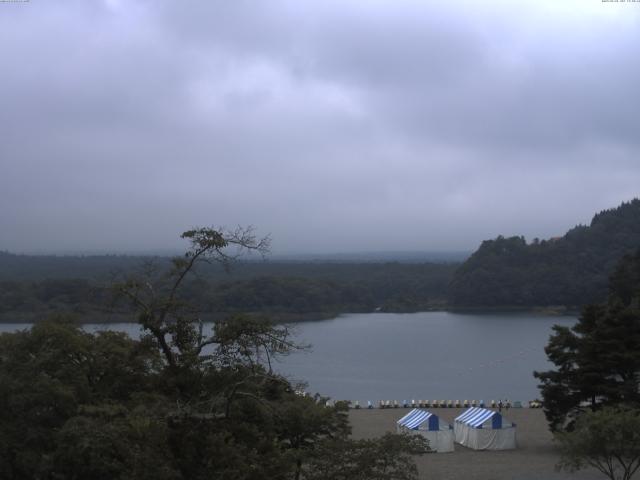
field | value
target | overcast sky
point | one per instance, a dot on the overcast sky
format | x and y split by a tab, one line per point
335	126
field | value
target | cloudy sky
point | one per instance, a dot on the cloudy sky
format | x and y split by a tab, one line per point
335	126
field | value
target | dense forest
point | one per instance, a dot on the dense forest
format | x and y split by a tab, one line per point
572	270
597	360
568	271
183	402
31	287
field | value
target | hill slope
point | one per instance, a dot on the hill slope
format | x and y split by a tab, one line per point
572	270
32	288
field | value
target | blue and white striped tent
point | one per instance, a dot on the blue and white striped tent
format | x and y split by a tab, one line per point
415	418
475	417
425	423
484	429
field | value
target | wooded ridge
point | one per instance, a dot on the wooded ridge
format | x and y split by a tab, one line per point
507	272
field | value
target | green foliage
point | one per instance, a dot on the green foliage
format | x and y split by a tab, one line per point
597	360
571	270
385	458
111	441
180	403
608	440
48	375
285	291
100	406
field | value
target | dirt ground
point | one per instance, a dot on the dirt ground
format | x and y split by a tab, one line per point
534	459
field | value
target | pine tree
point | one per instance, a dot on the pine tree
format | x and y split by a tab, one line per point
598	359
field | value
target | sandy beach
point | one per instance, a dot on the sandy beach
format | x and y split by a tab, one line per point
534	459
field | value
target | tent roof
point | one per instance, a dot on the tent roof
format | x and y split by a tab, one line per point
476	416
415	418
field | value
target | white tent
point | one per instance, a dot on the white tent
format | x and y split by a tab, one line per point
425	423
483	429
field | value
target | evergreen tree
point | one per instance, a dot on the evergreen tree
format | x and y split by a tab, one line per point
571	270
598	359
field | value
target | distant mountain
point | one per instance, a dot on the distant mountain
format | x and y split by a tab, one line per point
571	270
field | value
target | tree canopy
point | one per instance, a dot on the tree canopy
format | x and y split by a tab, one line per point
570	270
180	402
598	359
607	440
286	291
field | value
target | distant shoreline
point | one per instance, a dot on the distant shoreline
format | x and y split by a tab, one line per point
280	318
562	310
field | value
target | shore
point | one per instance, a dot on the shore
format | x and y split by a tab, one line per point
90	316
534	459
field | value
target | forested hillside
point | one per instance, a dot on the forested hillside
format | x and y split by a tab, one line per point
571	270
33	287
506	272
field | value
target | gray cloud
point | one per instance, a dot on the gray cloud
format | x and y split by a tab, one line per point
336	126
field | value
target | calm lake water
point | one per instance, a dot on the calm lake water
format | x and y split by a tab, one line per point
429	355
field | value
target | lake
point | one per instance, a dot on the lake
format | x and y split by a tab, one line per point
428	355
